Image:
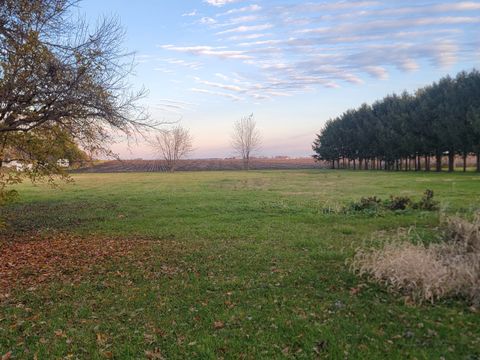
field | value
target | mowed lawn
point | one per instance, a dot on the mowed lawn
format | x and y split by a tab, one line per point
226	265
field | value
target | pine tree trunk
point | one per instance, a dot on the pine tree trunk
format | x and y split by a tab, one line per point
438	162
464	162
478	161
427	163
451	161
354	164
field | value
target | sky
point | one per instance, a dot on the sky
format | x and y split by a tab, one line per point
293	64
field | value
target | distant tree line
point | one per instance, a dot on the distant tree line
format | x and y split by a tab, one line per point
404	132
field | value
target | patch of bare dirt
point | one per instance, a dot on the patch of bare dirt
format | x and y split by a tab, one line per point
203	165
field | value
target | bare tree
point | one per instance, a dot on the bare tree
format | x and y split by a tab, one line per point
173	144
246	139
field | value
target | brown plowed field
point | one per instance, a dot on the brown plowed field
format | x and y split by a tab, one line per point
200	165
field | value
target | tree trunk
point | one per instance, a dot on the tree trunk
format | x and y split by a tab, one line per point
464	162
478	161
354	164
427	163
451	161
438	162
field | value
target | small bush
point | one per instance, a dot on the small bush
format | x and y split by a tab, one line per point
398	203
365	203
427	202
429	272
375	206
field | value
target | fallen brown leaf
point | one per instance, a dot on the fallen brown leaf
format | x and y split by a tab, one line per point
354	291
217	325
155	354
108	354
60	333
102	339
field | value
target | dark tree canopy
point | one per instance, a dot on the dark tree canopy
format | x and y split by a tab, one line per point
439	119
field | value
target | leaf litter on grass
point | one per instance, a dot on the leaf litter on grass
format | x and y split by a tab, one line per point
29	261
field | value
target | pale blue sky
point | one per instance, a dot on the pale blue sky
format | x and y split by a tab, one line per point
294	64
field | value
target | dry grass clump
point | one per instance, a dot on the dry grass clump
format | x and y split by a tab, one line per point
429	272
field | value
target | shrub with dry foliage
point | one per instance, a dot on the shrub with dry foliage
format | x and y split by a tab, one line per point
429	272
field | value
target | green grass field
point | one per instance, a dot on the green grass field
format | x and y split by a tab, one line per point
237	265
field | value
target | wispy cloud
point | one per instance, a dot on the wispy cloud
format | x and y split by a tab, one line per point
246	28
241	20
248	36
208	51
377	72
250	8
220	3
284	49
207	21
173	106
191	13
234	88
378	26
195	65
216	93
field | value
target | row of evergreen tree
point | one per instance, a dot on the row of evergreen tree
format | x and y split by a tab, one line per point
408	131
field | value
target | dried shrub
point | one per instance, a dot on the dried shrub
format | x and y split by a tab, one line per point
464	233
429	272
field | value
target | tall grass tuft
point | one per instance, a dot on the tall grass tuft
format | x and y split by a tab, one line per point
431	272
